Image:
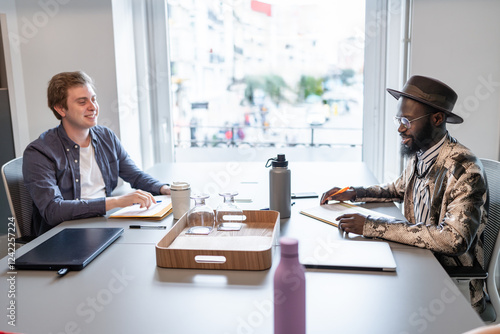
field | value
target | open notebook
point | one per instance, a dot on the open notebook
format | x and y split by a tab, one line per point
329	212
71	249
157	211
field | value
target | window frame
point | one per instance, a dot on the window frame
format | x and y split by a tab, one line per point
387	24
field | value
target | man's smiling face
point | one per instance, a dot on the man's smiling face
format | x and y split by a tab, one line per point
82	108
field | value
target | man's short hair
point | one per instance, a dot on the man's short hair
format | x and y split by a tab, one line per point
57	92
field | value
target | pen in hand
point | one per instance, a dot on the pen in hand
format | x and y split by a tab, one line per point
324	200
343	190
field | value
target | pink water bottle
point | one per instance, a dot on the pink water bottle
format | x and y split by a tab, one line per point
289	290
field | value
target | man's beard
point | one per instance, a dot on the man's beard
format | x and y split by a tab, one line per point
418	142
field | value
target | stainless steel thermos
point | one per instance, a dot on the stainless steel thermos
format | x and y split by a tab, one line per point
280	186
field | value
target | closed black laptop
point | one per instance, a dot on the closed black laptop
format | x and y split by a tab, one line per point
71	248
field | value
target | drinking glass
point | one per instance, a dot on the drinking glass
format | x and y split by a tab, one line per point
201	218
229	216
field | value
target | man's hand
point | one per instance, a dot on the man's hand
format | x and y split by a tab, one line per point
351	223
345	196
165	190
143	198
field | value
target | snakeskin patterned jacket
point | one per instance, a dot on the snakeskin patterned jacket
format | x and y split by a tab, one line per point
458	192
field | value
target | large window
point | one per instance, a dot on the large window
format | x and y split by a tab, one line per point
274	75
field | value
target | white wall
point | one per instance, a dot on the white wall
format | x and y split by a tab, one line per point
456	41
66	35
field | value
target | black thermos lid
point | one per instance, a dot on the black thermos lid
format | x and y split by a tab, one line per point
280	161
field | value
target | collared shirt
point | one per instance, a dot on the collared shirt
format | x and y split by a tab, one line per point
51	170
425	160
455	229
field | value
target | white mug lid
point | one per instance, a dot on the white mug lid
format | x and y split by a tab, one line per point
179	186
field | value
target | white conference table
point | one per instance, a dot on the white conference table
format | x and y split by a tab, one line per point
123	291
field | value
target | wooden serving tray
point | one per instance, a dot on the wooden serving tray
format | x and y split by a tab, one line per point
247	249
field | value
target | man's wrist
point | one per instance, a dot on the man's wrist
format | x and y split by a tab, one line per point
111	203
353	199
165	189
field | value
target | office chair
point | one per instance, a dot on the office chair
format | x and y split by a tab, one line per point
20	202
491	244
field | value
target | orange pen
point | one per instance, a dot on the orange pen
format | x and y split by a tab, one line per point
336	193
340	191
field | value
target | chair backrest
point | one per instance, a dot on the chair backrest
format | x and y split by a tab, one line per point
491	232
20	202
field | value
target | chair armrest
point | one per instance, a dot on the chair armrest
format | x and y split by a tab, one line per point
474	272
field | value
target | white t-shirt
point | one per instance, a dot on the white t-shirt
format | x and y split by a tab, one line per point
92	182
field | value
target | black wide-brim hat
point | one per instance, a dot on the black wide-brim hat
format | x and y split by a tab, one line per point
431	92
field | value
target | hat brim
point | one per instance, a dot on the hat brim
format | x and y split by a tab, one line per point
450	117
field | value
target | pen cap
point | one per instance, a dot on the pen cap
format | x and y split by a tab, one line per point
289	247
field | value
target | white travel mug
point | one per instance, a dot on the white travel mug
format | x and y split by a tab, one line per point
180	193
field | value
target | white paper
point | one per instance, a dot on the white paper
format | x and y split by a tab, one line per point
135	210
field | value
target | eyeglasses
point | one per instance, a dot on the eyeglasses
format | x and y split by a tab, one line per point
405	121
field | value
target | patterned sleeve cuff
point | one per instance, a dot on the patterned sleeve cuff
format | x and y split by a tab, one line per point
364	225
375	227
360	193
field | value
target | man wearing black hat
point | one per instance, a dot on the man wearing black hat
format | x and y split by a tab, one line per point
443	187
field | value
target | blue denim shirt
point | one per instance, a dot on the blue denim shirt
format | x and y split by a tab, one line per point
51	170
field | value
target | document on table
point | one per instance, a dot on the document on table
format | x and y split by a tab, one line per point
160	210
329	212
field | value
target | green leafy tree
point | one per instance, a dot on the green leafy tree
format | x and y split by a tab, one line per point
309	85
272	85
